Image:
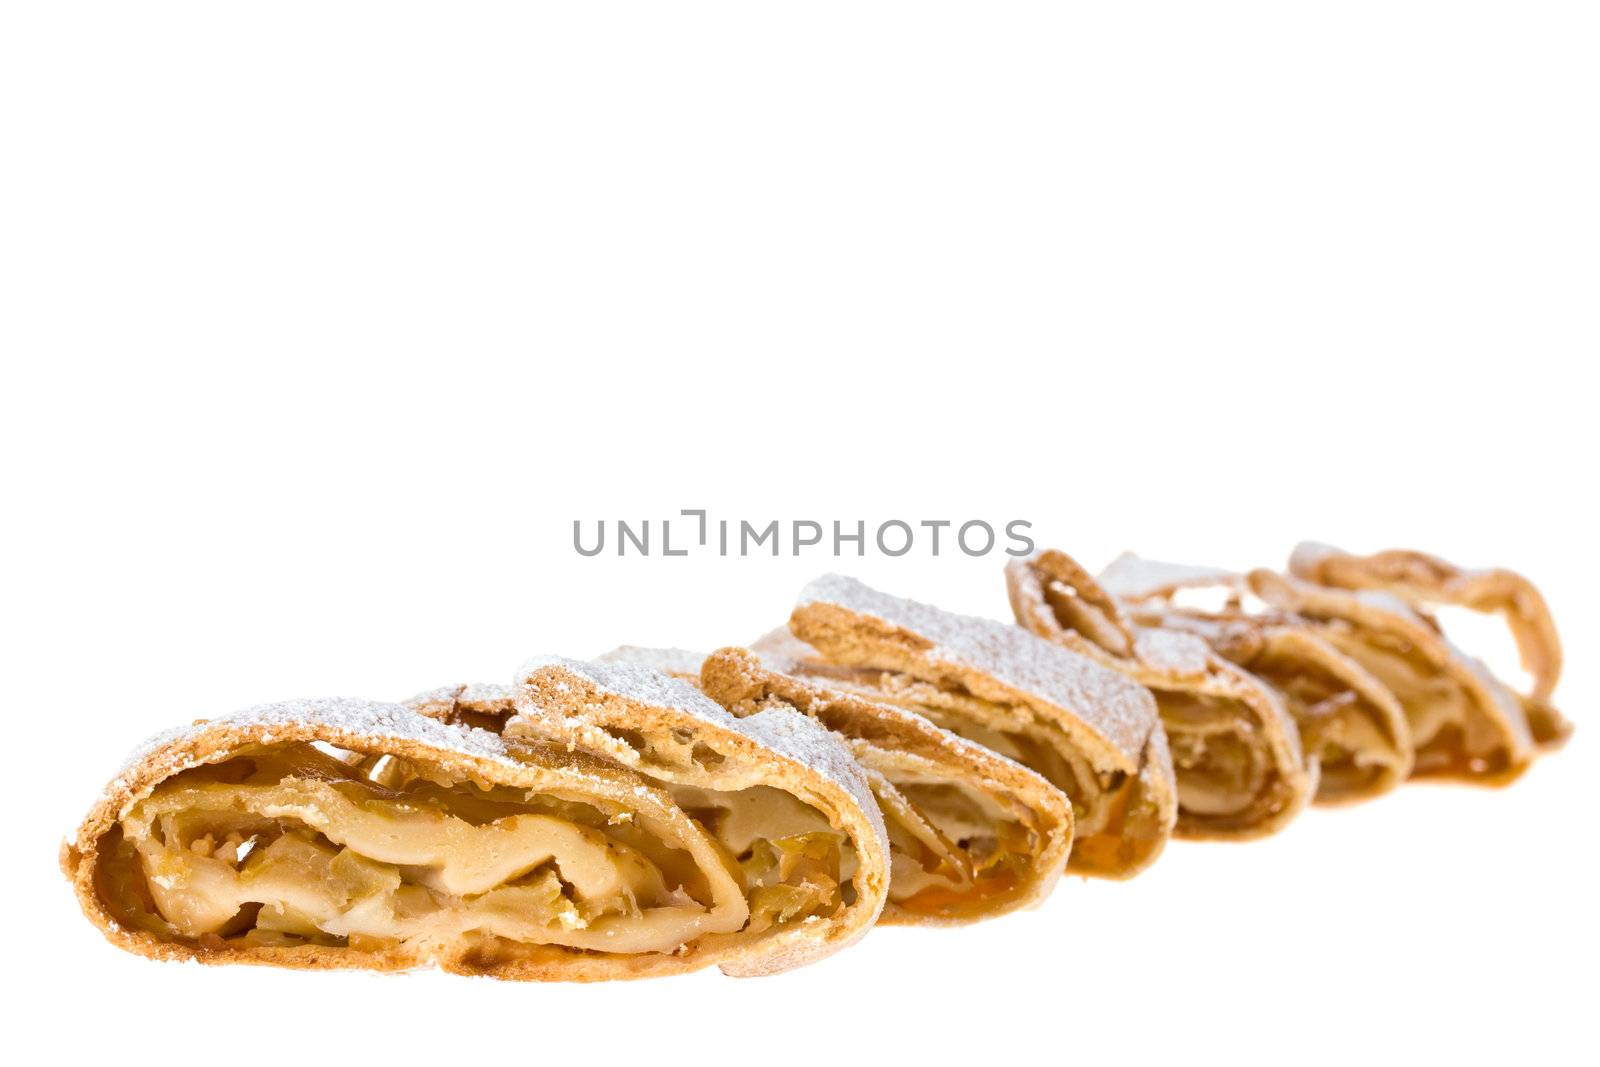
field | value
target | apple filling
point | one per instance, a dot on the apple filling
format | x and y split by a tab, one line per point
306	844
1013	732
1222	768
1449	735
950	848
1117	821
1350	738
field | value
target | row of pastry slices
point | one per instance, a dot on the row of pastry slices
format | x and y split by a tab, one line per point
877	760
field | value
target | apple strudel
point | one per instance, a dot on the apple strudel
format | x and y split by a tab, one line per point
1427	582
1349	721
1462	723
972	834
1089	731
1235	749
1465	725
341	833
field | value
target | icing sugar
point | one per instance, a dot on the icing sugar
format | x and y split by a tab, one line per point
670	660
1132	577
634	681
1119	708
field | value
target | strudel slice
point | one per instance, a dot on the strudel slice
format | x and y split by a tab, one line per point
785	801
1089	731
340	833
1350	723
1235	749
1464	723
1427	582
971	833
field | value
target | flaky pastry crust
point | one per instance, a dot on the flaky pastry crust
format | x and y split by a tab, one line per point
1425	582
906	757
1485	740
665	728
1217	716
433	738
1086	729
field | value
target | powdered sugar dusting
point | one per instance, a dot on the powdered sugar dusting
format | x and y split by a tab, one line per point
1289	593
634	681
793	734
782	730
1119	709
1133	578
1309	555
781	650
445	694
485	693
484	698
667	660
1171	650
359	718
1387	601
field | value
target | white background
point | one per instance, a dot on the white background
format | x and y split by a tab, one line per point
322	322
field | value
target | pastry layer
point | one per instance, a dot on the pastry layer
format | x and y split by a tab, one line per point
971	834
1089	731
338	834
1235	750
1464	724
1427	582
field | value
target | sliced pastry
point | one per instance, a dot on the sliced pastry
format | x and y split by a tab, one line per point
1463	724
1350	723
972	834
1235	749
781	796
341	833
1427	582
1088	730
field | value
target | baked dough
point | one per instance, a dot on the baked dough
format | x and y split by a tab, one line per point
1235	749
678	662
341	833
972	834
1350	723
1427	582
1089	731
484	705
1463	723
782	796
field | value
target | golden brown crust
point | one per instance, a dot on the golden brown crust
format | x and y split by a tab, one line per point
1053	597
1291	658
739	681
483	705
1492	709
462	752
1424	581
667	729
1486	741
940	664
